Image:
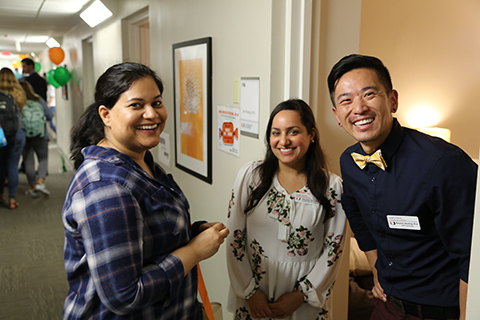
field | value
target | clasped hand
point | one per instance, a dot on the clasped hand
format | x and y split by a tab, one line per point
208	241
285	306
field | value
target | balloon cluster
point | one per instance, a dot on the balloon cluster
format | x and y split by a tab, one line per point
60	75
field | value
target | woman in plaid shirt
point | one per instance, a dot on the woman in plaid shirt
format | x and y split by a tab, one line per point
130	249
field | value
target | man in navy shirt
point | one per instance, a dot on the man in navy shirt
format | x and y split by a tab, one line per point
39	84
409	198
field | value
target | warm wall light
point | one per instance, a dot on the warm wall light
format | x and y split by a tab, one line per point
97	12
437	132
423	116
52	43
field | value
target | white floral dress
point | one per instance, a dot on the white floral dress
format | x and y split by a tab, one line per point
287	242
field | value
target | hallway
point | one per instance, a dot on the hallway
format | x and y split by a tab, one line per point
32	276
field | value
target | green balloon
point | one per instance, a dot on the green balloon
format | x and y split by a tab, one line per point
61	75
51	78
38	66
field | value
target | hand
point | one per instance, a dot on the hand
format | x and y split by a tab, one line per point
377	289
205	226
207	243
287	304
258	304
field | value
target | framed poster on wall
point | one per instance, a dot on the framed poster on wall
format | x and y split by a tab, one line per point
192	77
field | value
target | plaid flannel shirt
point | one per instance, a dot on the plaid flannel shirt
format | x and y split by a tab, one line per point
121	226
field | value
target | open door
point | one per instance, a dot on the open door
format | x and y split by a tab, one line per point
136	37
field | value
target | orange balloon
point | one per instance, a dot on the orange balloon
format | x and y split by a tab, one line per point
56	55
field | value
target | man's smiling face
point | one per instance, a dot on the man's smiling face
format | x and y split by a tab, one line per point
364	108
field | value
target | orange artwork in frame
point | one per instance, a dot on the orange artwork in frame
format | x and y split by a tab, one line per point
193	107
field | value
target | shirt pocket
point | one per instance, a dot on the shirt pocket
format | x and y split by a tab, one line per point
168	211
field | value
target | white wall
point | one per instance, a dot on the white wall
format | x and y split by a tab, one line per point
241	41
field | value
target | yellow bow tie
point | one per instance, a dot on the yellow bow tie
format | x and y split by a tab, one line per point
375	158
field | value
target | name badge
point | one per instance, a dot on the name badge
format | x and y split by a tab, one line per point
403	222
304	198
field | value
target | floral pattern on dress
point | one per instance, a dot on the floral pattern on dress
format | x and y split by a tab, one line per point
257	255
304	190
238	244
333	198
298	241
276	205
322	315
304	291
333	245
230	204
242	314
329	291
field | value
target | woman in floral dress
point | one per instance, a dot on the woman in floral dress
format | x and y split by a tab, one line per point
287	224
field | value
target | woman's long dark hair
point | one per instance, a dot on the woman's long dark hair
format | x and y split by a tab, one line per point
315	164
89	129
29	92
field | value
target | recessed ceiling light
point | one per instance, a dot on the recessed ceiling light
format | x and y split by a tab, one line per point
96	13
52	43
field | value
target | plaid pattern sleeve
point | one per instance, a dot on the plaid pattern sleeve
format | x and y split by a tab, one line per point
121	227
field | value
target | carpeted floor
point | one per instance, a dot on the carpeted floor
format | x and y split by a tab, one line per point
33	283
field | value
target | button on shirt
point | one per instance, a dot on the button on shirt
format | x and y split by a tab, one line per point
426	178
121	227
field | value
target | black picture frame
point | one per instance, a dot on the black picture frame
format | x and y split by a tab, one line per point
192	78
65	92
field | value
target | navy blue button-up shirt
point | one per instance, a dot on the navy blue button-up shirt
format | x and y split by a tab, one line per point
427	178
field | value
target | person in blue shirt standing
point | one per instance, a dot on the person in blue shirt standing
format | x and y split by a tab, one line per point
409	198
130	249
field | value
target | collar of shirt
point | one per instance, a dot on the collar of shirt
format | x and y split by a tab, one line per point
117	158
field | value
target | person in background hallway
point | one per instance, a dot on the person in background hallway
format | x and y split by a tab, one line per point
38	83
130	249
409	198
10	154
287	224
51	103
37	144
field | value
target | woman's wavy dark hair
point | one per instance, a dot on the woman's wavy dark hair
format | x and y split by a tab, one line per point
315	165
89	129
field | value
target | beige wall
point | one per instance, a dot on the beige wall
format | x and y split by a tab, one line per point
432	50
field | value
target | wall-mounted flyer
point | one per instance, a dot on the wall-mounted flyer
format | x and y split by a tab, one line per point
164	149
250	106
228	130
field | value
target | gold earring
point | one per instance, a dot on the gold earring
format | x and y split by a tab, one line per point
313	140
